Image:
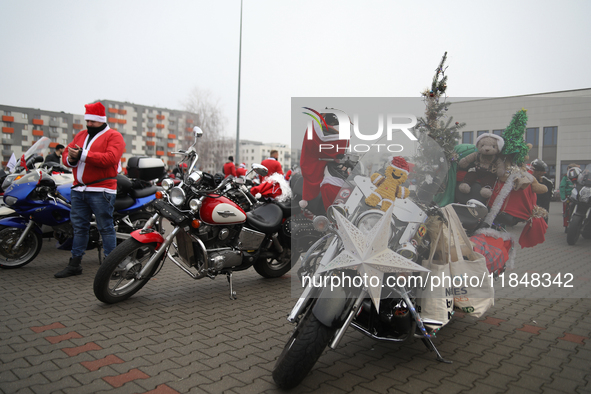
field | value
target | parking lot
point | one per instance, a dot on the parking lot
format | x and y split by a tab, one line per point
186	336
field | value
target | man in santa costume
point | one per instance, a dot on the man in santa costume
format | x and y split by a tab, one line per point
241	170
317	178
95	159
229	167
272	163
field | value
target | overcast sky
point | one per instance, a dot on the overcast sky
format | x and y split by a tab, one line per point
58	55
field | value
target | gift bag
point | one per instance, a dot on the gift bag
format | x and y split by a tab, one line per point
436	303
473	290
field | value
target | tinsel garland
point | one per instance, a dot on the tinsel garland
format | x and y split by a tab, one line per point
503	194
514	138
539	212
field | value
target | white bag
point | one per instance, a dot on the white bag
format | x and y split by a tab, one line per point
476	293
436	303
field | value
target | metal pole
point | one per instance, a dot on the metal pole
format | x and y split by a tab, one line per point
237	155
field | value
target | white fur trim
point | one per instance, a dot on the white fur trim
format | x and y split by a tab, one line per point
96	118
489	232
500	140
398	168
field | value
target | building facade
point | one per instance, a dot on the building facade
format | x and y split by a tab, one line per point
558	127
255	152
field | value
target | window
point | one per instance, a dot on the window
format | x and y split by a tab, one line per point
26	127
37	116
498	132
467	137
53	139
24	138
531	135
480	132
550	136
25	116
7	136
7	113
54	118
53	129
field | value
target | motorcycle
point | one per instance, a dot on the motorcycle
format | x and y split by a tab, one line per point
39	201
215	232
395	241
580	219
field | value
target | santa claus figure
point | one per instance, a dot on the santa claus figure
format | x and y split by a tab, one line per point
324	144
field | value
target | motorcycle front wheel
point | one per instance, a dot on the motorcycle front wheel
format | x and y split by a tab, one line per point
301	352
24	254
574	229
116	279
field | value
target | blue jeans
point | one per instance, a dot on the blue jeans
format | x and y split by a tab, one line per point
84	204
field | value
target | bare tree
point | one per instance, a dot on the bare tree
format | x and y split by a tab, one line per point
215	146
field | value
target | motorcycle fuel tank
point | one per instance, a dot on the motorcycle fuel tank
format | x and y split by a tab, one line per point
220	210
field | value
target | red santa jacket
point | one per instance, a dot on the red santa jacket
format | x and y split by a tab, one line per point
273	166
101	158
229	169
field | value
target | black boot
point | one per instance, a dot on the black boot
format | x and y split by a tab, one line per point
73	268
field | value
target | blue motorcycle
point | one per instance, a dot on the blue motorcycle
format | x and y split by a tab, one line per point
39	203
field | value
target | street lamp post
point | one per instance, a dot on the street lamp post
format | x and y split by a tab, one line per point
238	115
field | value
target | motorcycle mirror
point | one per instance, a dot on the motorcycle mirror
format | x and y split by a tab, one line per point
198	132
260	169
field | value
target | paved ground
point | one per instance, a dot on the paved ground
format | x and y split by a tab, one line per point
180	335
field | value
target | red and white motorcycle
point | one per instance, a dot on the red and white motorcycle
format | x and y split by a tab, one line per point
216	230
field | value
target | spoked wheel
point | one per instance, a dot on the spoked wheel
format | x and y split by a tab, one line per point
274	267
24	254
117	278
301	352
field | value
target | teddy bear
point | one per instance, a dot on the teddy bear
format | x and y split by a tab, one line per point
485	164
389	184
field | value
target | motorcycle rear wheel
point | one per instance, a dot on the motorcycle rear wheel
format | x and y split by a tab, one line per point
574	229
301	352
116	281
25	253
274	267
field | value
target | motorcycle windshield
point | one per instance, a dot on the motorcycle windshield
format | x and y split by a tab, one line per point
32	177
39	147
584	178
415	170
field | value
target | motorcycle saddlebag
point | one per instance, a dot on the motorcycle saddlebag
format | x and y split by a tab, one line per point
145	168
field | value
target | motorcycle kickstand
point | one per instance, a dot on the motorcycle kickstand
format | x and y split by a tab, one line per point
100	254
232	292
431	346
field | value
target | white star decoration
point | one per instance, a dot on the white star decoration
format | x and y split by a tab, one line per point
370	254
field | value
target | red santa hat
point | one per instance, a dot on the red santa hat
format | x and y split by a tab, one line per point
95	112
399	163
500	140
242	165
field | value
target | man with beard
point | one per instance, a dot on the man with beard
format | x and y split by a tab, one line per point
95	159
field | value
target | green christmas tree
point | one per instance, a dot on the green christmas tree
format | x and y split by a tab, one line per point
436	124
513	135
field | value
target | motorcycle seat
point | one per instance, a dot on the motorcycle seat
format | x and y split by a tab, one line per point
145	192
124	184
123	202
285	207
266	219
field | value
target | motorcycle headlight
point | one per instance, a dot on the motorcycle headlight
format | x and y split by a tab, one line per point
177	196
10	200
407	250
194	204
321	223
368	220
167	184
584	194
